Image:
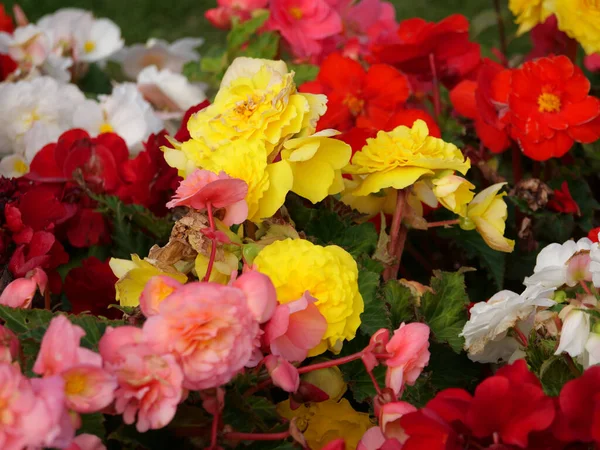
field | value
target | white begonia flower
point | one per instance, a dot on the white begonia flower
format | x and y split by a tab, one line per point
575	329
13	166
34	113
551	268
63	24
167	90
595	264
28	45
124	112
490	322
592	349
159	53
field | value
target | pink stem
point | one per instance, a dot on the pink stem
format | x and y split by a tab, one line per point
235	436
213	245
443	223
214	431
374	380
395	231
332	363
437	106
585	287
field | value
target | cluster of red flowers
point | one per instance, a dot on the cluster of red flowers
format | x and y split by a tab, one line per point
508	411
7	65
544	106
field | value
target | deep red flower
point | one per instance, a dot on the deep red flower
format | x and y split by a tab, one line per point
7	66
357	97
550	108
91	288
87	228
578	415
593	234
454	55
547	39
563	202
427	430
183	134
6	22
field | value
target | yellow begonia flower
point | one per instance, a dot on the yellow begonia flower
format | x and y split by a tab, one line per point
400	157
323	422
268	184
328	273
133	276
454	193
224	264
257	101
487	213
370	205
316	162
329	380
529	13
580	19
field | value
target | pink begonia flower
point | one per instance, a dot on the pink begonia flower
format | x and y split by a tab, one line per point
150	383
377	344
389	419
156	290
87	442
60	349
203	188
283	374
373	439
578	268
260	294
409	348
20	292
295	328
88	389
210	329
52	423
213	400
221	16
592	62
10	347
304	24
365	23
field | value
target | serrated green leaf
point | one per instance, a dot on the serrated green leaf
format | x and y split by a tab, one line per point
553	227
584	197
304	72
248	414
451	370
552	370
242	32
376	315
445	310
401	302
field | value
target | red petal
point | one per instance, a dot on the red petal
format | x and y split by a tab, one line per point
556	147
582	112
586	133
463	98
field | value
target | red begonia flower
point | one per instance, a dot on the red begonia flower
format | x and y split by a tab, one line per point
563	202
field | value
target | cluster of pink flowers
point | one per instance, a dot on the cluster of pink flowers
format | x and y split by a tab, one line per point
315	28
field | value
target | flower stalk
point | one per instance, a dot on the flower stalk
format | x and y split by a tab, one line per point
396	244
213	245
437	105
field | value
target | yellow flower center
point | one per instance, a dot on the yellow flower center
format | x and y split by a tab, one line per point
106	128
246	108
354	104
548	102
89	46
296	12
75	384
20	166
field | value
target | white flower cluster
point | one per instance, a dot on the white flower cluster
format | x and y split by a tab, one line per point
498	328
38	104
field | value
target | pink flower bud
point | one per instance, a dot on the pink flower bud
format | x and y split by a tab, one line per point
10	348
284	375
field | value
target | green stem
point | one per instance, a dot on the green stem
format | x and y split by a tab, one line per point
213	244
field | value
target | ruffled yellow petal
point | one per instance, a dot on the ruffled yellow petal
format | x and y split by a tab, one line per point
398	178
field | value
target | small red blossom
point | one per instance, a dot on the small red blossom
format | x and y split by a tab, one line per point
7	66
547	39
593	235
91	288
448	41
563	202
183	134
550	108
357	97
6	22
578	416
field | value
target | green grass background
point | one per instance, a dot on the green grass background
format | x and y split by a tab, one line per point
173	19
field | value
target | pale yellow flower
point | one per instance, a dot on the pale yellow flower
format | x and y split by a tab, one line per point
400	157
454	193
487	213
529	13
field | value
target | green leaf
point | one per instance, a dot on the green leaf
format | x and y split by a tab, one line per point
475	247
445	310
128	437
95	81
584	197
359	381
553	227
248	414
242	32
552	370
265	46
376	315
93	424
401	302
304	72
451	370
